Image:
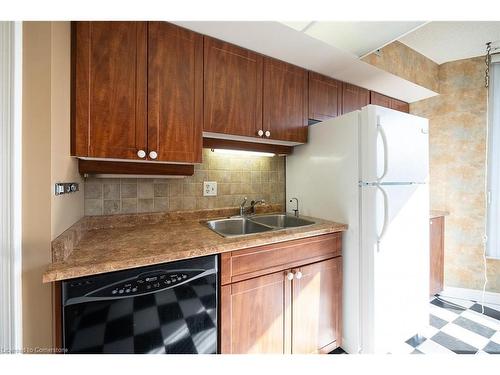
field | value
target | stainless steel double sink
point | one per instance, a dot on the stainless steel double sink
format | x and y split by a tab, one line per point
244	225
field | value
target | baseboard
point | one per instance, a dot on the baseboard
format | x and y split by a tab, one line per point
471	294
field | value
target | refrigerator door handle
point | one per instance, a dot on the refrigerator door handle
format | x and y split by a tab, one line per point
380	130
386	214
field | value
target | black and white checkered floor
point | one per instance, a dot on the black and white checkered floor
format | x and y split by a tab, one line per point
457	326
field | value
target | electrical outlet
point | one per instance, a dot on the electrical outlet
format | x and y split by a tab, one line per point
66	188
209	188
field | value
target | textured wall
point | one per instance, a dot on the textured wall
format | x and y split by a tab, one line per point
237	177
457	169
399	59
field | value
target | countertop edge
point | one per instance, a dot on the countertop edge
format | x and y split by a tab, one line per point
79	271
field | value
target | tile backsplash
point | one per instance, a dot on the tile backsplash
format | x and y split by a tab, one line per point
236	177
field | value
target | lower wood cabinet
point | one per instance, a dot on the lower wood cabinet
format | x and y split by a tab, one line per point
254	313
436	255
317	307
297	309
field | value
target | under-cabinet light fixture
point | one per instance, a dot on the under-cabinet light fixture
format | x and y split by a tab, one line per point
241	152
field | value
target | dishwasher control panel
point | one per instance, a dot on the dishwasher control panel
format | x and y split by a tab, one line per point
144	284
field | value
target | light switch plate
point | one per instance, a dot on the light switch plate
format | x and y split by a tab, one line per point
209	188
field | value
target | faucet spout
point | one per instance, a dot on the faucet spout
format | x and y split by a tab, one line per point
254	203
242	206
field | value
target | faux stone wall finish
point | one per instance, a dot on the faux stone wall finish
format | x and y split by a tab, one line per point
236	177
401	60
457	169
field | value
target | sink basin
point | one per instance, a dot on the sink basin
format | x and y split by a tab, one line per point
236	227
281	221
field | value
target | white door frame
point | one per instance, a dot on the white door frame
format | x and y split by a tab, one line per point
10	186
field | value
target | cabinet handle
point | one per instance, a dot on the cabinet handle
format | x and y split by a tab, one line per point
268	133
260	133
141	154
153	155
289	276
298	275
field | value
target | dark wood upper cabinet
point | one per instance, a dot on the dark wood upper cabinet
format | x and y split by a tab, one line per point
109	105
285	101
137	91
354	97
232	89
175	93
379	99
325	97
399	105
388	102
147	91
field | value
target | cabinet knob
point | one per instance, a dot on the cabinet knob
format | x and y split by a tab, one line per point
153	155
289	276
298	275
141	154
260	133
268	133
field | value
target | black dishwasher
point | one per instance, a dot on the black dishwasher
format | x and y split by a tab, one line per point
165	308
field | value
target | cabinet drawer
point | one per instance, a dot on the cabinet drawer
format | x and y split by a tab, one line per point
245	264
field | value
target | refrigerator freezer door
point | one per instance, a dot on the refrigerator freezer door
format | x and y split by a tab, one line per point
395	267
394	146
323	174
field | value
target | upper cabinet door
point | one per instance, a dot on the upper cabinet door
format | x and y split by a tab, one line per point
109	107
325	97
354	97
399	105
232	88
388	102
175	93
380	99
285	101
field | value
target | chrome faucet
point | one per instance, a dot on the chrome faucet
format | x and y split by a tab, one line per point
254	203
296	210
250	210
242	206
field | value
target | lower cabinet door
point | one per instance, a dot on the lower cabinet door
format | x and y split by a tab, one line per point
436	281
317	307
255	315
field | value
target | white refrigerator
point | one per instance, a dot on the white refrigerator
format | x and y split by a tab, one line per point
370	169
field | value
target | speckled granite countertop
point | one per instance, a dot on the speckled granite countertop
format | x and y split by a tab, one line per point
128	241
